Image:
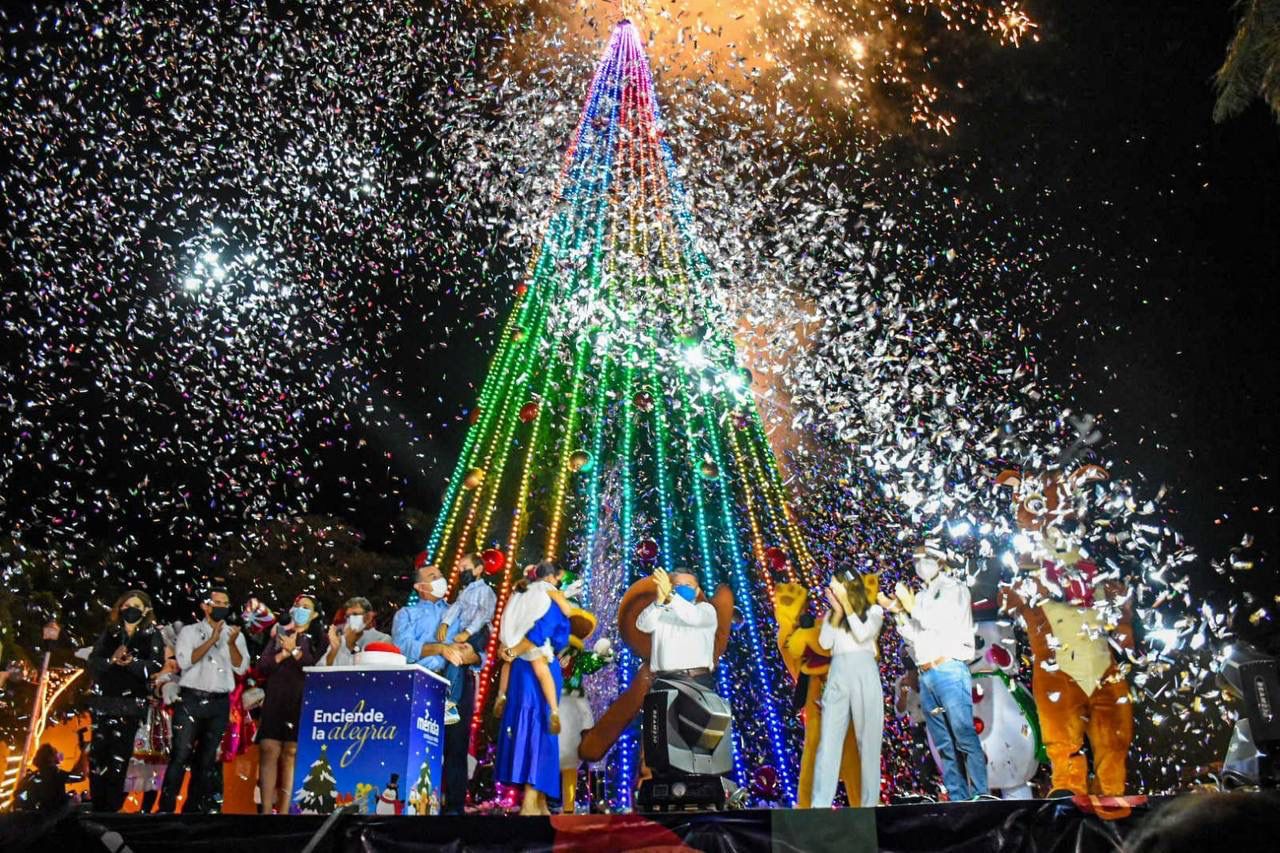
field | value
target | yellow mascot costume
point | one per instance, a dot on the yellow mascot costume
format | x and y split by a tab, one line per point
808	664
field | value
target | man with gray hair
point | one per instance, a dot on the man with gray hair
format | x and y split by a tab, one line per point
354	634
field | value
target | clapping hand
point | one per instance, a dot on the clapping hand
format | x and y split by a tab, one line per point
288	641
833	602
663	582
905	596
507	654
334	638
886	603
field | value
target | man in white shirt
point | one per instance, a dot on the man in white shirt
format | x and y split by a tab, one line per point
683	629
210	655
937	625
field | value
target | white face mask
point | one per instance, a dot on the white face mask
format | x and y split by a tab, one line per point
927	570
355	622
439	587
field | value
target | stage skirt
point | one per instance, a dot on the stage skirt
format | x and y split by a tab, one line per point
528	753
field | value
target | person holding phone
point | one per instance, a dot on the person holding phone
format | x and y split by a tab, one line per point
128	654
294	645
210	655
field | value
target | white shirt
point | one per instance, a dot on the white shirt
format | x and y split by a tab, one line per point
214	672
684	634
942	624
860	636
523	610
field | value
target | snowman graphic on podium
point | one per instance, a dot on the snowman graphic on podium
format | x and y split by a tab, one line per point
389	801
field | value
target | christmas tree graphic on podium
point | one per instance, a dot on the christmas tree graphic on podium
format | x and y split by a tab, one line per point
319	791
616	430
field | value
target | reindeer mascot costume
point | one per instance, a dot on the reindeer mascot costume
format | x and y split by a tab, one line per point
1075	622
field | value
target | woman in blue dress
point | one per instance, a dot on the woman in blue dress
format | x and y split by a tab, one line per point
528	749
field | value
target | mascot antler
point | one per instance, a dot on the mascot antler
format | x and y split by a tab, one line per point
597	740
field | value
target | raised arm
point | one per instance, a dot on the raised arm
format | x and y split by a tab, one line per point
647	621
866	630
827	634
701	615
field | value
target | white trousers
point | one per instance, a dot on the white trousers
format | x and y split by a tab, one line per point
853	693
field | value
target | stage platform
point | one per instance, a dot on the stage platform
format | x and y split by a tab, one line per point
1026	825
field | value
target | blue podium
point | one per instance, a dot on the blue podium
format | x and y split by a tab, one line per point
372	736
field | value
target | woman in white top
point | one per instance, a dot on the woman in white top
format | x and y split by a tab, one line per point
853	692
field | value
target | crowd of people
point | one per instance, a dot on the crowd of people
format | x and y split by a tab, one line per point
163	701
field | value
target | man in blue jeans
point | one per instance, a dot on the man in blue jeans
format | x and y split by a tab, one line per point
937	625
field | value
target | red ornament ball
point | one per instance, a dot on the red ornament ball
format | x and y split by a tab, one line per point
643	401
474	416
420	560
522	289
528	412
777	558
977	693
646	550
765	783
999	656
494	561
978	725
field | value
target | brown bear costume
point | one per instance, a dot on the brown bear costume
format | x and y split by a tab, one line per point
1079	684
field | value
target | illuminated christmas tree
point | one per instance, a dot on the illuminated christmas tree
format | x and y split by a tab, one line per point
616	373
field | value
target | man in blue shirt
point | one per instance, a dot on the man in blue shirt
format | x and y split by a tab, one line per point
414	628
414	632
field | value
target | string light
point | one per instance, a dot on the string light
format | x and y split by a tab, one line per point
619	341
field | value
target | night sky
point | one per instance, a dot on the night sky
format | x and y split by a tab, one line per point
1165	256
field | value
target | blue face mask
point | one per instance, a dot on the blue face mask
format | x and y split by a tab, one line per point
301	615
688	593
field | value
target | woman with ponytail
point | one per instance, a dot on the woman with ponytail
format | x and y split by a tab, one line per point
850	631
532	631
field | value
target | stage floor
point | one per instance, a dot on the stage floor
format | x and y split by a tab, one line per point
1027	825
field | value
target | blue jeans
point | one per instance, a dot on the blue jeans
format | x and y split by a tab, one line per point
457	676
949	686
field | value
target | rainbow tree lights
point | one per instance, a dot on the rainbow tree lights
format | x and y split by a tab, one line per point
616	372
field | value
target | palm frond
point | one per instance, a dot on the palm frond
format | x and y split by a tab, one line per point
1252	65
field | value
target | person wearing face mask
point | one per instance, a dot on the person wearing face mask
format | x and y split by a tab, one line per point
293	646
353	633
210	655
937	625
414	632
469	614
128	654
683	629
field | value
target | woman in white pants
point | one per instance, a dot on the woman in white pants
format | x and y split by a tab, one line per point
853	692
